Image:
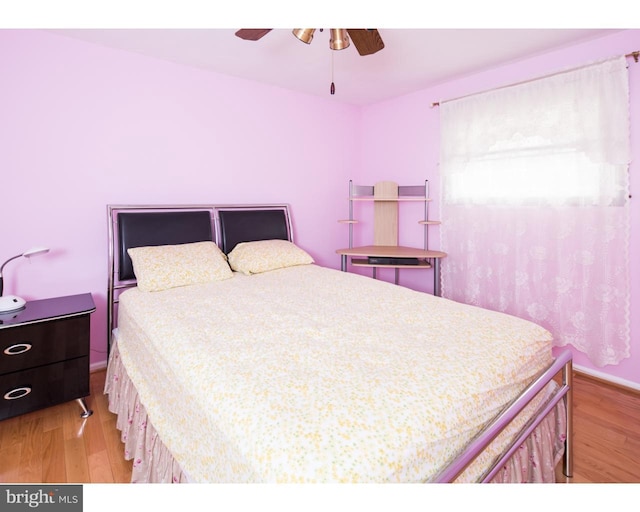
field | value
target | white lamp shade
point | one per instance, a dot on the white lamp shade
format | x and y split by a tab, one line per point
35	251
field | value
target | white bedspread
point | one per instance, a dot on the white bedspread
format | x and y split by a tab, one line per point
309	374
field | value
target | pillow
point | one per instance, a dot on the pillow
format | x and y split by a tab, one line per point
169	266
265	255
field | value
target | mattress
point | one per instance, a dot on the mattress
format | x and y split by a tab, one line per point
309	374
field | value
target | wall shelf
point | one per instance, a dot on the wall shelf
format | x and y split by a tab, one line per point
386	196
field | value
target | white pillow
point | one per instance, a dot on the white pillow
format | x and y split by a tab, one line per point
169	266
266	255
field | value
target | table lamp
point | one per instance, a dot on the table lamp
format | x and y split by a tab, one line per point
11	302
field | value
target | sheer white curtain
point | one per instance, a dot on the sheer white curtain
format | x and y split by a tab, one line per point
535	216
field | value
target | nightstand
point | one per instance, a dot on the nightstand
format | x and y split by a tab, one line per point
44	354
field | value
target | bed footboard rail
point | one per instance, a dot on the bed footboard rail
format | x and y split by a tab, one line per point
562	363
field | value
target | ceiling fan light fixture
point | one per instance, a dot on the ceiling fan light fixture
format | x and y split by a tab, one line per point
304	34
339	39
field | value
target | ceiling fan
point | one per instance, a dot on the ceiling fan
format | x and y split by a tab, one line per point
366	40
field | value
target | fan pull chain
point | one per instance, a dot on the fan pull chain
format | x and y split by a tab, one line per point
333	86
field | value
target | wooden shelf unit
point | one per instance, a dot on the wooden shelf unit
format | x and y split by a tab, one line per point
386	196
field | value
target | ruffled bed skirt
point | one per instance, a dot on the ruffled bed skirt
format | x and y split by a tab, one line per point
534	461
152	461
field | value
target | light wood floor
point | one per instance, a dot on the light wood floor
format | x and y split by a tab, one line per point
606	433
55	445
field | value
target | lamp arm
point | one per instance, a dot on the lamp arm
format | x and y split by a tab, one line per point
10	259
2	268
31	252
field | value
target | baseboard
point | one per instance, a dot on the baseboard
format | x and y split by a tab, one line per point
624	384
96	367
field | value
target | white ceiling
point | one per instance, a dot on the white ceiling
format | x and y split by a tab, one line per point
412	59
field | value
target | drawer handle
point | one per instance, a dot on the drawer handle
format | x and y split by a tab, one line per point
16	393
18	348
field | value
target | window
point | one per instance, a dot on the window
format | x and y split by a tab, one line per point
535	205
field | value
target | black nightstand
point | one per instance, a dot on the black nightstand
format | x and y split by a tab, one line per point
44	354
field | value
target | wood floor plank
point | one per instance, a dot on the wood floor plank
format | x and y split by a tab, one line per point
93	435
606	465
76	461
100	467
10	467
52	421
607	440
31	456
53	466
11	433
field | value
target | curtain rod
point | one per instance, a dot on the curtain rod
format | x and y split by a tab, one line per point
635	55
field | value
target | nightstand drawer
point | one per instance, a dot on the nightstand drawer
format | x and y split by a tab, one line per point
27	390
27	346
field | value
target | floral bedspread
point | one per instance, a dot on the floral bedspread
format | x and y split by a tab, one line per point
309	374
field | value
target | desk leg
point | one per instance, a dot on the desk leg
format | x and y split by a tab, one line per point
374	272
397	280
436	277
343	262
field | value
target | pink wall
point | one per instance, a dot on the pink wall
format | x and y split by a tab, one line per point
400	139
82	126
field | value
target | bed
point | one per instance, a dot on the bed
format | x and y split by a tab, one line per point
262	366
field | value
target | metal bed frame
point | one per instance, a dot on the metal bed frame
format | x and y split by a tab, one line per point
563	363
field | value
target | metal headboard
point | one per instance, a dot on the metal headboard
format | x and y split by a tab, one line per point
153	225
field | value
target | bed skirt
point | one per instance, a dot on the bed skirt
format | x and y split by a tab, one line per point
152	461
533	462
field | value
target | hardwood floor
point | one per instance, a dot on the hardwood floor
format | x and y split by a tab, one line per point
56	445
606	433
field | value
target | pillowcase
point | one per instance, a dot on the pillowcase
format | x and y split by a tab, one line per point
169	266
265	255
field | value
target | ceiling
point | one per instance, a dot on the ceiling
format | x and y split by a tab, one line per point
412	59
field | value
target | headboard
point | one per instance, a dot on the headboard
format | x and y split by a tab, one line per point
159	228
153	225
242	224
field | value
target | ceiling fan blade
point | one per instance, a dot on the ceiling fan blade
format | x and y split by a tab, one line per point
366	40
252	34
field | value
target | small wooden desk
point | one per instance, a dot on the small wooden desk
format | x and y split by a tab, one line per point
427	259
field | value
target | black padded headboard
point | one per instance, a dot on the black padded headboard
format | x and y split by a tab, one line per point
252	224
151	225
159	228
